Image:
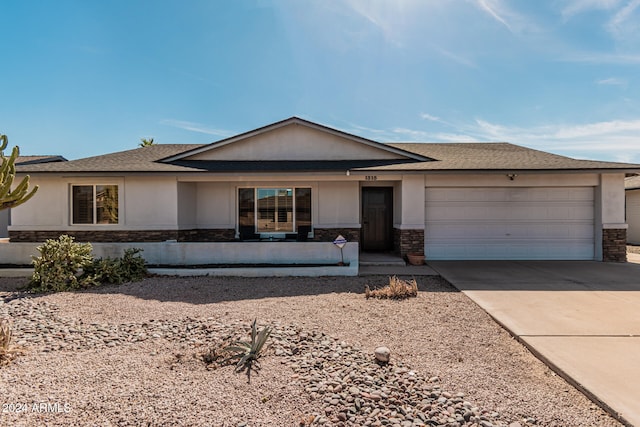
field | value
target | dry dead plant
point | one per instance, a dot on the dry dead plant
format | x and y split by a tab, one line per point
7	351
396	289
216	356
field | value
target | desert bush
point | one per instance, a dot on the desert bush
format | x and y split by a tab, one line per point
131	267
61	265
106	270
65	265
396	289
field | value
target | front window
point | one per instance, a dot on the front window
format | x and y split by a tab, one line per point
94	204
274	210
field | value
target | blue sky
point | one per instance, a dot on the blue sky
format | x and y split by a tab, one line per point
87	77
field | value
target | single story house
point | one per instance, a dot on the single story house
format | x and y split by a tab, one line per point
632	187
301	183
5	215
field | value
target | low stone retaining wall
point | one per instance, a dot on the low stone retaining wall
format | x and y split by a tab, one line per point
181	254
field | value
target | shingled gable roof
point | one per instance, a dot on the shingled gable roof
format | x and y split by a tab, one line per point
143	159
298	121
497	156
418	158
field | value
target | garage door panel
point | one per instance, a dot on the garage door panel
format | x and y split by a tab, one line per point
505	210
502	230
509	223
580	250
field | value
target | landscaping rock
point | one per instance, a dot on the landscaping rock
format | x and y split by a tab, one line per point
382	354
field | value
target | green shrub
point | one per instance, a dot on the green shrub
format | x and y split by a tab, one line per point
130	268
106	270
64	265
133	266
61	265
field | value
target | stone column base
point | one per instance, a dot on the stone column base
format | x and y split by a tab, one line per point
408	241
614	245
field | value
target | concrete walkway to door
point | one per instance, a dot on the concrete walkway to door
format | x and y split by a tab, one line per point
582	318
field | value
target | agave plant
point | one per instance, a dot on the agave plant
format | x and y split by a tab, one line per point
248	352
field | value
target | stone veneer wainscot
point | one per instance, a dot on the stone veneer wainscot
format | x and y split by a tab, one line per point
614	244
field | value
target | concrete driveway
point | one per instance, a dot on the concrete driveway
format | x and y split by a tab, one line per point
582	318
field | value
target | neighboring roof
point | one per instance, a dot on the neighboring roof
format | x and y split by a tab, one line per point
632	183
29	160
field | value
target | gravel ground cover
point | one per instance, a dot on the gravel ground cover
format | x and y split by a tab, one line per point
131	355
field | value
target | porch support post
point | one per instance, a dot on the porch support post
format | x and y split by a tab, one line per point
611	228
409	231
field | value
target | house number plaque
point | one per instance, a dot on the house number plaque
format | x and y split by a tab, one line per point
371	178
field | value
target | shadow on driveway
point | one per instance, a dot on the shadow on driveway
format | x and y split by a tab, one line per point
540	275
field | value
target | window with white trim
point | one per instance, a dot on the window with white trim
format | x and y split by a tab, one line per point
275	210
94	204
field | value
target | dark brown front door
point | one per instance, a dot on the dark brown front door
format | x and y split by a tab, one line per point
377	219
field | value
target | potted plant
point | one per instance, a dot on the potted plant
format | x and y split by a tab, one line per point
415	258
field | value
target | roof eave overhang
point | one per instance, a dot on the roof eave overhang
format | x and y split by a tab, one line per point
486	171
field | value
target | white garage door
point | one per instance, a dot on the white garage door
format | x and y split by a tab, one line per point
509	223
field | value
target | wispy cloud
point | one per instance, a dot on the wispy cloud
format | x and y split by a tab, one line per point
575	7
456	58
195	127
614	140
621	20
492	7
602	58
613	81
624	25
504	13
392	18
625	13
590	130
427	116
